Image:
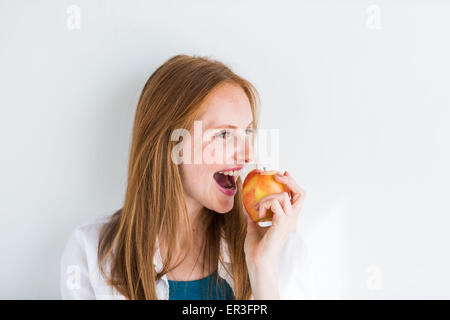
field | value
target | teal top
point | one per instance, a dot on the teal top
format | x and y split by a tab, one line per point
212	287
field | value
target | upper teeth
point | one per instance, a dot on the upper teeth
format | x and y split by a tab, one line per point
231	173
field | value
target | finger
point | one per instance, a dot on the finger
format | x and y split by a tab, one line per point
298	194
283	197
272	204
289	181
275	206
285	201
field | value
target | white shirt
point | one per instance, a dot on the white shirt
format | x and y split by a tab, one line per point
80	277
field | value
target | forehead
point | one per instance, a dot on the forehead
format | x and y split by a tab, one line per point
227	104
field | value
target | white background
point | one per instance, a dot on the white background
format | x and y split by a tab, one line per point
360	95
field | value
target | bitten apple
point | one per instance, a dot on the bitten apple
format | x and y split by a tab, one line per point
257	185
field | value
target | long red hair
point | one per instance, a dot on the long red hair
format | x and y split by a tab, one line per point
154	203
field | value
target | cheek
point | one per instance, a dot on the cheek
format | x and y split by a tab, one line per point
197	177
212	152
218	153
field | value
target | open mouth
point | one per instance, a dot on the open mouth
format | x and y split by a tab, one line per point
226	180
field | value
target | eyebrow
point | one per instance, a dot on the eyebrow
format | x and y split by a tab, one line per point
232	126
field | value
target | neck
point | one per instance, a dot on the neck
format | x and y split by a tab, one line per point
197	219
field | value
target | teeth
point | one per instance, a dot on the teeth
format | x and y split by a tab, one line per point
231	173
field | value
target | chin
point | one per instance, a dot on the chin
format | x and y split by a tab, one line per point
222	209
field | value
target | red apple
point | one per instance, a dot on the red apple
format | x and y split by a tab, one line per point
257	185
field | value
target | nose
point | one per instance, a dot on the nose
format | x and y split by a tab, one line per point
244	152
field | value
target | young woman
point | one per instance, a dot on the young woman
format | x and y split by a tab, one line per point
182	233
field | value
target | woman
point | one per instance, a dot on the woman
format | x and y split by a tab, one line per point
180	228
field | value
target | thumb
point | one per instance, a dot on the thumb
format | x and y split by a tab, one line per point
254	231
252	227
250	224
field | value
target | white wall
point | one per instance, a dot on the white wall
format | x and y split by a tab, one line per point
360	95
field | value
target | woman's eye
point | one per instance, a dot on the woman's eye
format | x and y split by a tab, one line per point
223	134
249	131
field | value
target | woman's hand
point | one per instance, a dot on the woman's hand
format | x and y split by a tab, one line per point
263	245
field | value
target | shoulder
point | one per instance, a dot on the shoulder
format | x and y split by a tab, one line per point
82	243
87	234
80	276
91	230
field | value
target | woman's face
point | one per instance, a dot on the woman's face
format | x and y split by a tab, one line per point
223	138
